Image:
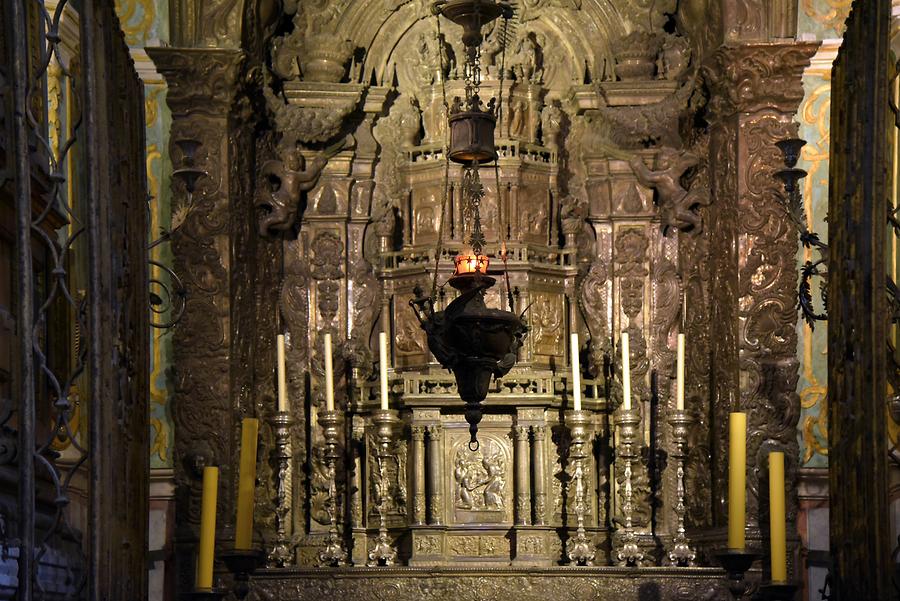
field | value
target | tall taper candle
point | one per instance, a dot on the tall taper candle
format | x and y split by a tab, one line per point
679	382
243	532
737	480
576	373
383	368
282	374
329	375
626	372
777	532
207	528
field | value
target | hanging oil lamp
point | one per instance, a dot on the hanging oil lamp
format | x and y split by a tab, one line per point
469	338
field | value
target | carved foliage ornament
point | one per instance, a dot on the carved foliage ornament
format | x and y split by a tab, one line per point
752	77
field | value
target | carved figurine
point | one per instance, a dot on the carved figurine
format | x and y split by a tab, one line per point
677	205
289	180
551	124
409	120
435	61
493	490
527	60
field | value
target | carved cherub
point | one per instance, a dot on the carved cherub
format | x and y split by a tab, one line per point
289	180
677	205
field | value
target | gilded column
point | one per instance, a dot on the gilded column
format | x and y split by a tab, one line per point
417	516
435	474
209	185
523	480
755	92
537	464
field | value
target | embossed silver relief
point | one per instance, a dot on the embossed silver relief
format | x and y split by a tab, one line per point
480	478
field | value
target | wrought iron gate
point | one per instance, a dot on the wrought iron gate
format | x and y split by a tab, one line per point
75	298
862	303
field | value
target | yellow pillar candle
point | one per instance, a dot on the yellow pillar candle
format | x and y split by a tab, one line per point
207	528
679	382
282	375
576	373
243	534
737	480
329	375
777	517
626	372
383	368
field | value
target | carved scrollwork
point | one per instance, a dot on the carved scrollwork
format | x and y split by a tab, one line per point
634	127
750	78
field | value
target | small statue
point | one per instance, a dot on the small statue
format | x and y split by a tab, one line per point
517	118
410	121
527	61
551	124
677	205
289	180
435	60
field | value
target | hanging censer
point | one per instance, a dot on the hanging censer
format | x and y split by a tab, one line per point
469	338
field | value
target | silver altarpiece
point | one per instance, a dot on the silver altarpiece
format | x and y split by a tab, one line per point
634	162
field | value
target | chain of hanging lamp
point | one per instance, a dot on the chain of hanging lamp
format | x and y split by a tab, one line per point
472	188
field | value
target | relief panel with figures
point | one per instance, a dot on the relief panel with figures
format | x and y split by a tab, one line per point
481	481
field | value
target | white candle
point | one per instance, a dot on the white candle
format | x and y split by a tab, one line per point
576	373
679	382
329	376
383	365
626	372
282	375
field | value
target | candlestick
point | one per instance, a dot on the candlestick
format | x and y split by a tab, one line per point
282	550
777	591
282	374
242	563
626	372
243	534
329	375
383	369
385	421
333	554
737	480
679	382
579	548
627	420
681	553
207	528
777	517
736	563
576	373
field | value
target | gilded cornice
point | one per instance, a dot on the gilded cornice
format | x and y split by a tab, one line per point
200	80
751	77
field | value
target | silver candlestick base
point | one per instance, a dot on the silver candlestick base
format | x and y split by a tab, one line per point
281	552
626	421
385	421
334	553
681	553
579	548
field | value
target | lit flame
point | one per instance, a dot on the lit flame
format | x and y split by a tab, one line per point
471	264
